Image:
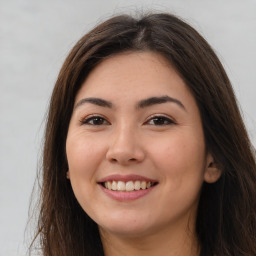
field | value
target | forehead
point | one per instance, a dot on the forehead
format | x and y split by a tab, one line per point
132	75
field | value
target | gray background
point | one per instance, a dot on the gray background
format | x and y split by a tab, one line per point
36	36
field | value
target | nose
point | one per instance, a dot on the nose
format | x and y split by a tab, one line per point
125	147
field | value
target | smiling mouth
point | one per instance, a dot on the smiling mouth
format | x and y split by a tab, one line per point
128	186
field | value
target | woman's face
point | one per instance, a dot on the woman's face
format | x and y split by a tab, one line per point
135	146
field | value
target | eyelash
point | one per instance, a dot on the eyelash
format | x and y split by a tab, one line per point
94	118
164	121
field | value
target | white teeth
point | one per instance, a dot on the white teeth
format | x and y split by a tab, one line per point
127	186
120	186
137	185
143	185
114	185
109	185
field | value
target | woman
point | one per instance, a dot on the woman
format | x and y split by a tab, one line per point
145	150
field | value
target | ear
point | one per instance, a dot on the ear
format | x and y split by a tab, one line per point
212	172
68	175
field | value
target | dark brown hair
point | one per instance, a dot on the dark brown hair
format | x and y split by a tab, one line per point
226	221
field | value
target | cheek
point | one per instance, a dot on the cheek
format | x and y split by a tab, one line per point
83	155
179	158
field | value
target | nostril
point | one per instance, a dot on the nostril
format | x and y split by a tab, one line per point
131	160
124	155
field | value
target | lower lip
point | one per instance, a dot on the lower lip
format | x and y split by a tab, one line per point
127	196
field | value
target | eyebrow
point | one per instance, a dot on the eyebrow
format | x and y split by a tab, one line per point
141	104
159	100
95	101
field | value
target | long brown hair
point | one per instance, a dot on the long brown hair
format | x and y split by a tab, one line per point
226	221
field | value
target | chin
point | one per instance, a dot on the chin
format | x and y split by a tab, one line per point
125	227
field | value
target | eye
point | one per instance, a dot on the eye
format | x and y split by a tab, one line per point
95	120
160	121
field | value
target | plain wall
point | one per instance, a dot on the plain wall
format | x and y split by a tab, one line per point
34	40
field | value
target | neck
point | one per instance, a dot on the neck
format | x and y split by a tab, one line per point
175	243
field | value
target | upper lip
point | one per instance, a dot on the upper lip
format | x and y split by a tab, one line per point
125	178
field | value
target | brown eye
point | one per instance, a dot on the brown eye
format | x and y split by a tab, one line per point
160	121
95	120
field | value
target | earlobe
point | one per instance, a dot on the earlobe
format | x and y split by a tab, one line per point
212	172
68	175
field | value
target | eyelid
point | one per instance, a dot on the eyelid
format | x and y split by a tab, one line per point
170	119
87	118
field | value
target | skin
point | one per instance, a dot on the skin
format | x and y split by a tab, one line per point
127	139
